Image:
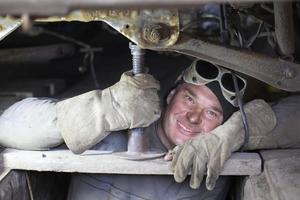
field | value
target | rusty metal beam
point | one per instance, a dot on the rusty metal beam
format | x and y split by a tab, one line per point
279	73
53	7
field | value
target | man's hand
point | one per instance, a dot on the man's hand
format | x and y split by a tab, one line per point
86	119
208	152
136	99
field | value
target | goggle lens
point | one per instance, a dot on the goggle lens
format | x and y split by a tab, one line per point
228	84
207	70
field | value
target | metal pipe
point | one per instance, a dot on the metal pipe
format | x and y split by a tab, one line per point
224	25
136	140
284	27
36	55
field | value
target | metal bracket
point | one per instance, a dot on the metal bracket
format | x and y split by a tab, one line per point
159	27
147	28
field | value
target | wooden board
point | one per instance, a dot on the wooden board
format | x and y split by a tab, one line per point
99	162
3	173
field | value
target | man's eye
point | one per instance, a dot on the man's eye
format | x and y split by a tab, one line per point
189	98
211	114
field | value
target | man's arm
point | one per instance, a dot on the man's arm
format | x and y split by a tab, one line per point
84	120
286	132
30	125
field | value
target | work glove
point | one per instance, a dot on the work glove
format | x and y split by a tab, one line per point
210	151
86	119
286	132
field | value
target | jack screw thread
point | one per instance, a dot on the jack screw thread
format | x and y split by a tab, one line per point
137	58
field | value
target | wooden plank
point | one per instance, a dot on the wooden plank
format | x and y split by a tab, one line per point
97	162
3	173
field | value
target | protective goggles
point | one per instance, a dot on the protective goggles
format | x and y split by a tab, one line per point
201	73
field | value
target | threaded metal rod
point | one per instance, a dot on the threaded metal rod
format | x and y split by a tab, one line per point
136	140
137	58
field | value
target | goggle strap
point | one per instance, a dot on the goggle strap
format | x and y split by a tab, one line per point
241	106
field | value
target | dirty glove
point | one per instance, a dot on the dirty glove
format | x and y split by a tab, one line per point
86	119
286	132
210	151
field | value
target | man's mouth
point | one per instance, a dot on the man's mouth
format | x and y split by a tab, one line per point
186	130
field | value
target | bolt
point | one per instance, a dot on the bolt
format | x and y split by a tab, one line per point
154	33
279	83
289	73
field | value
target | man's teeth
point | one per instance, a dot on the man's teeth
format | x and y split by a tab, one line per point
184	128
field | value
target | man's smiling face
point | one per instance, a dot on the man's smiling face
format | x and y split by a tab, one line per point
191	110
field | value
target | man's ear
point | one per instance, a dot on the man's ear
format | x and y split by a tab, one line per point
170	96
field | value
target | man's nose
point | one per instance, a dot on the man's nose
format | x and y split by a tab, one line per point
194	117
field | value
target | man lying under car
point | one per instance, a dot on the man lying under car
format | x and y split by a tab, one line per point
197	125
